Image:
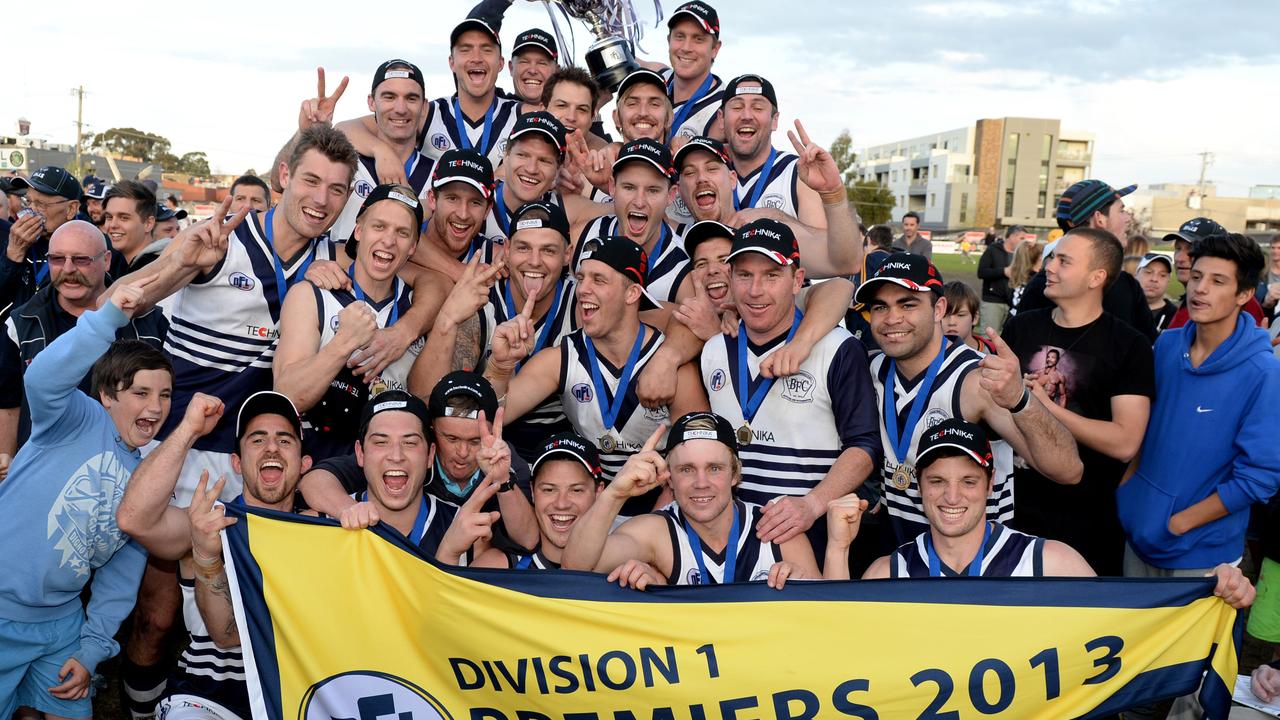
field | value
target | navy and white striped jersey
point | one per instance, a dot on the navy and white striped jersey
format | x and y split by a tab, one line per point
224	327
214	675
1000	505
332	424
434	524
418	172
666	271
530	431
805	421
753	561
780	190
1009	553
440	132
701	117
905	511
635	423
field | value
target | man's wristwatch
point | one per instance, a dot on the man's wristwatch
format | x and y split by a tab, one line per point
510	484
1022	403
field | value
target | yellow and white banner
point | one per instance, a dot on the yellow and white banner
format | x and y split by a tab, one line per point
359	625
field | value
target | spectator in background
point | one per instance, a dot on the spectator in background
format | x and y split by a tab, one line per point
1095	204
994	272
93	202
54	197
1184	241
1153	274
250	191
129	218
962	313
167	221
879	248
14	193
1134	250
1027	261
1269	287
911	240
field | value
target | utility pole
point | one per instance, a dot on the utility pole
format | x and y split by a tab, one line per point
1206	159
79	93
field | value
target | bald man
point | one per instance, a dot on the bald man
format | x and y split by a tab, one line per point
78	262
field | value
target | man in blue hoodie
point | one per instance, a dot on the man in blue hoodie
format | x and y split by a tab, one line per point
1209	450
58	509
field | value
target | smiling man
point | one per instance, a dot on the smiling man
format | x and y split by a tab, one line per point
533	60
129	217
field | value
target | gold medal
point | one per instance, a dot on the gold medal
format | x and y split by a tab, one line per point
744	435
902	476
608	443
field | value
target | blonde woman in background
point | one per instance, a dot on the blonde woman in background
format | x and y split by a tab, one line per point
1026	262
1134	250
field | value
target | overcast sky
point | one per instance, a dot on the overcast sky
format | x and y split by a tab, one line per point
1156	81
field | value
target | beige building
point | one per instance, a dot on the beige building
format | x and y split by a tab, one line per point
999	172
1162	208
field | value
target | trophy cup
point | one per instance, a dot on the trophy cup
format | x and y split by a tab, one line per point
616	28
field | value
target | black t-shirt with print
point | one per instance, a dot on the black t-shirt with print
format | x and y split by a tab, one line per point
1086	367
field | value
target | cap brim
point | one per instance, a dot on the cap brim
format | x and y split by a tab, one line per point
1126	190
567	452
705	230
267	402
535	44
643	158
441	182
641	77
1157	259
18	183
180	214
1174	237
541	131
702	22
690	148
472	24
771	254
983	462
867	290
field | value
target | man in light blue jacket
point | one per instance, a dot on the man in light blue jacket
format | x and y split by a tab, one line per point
1209	452
58	509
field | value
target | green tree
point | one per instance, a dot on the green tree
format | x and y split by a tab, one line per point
873	201
132	142
194	163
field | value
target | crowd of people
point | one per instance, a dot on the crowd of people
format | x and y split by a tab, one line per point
675	358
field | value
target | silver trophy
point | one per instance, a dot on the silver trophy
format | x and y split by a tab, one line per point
617	30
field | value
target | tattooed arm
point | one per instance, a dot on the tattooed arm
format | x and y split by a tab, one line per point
450	346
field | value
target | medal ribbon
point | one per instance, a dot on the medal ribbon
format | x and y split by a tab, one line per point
500	211
359	293
687	108
460	123
730	550
419	523
657	251
901	440
547	321
282	285
609	410
752	405
761	180
975	567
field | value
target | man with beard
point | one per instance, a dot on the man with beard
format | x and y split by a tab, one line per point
78	261
95	193
459	197
269	457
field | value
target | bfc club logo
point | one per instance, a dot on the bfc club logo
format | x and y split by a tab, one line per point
367	695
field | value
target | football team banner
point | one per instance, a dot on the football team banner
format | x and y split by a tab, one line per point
346	624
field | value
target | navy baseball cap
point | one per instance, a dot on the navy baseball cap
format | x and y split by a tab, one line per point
395	192
164	212
771	238
536	38
641	76
681	432
704	144
913	272
704	230
1082	199
397	69
53	180
1195	230
466	166
96	189
571	446
462	383
957	435
487	25
703	14
393	400
267	402
543	123
650	151
734	88
555	218
624	256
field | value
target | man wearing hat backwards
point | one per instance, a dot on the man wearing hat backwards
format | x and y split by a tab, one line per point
955	468
320	329
707	536
921	378
52	197
566	481
269	456
809	437
595	369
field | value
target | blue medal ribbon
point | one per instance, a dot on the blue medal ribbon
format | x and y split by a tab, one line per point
500	211
419	523
411	164
609	410
761	180
975	567
42	271
460	123
359	293
730	550
687	108
657	251
901	440
547	321
751	405
282	285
